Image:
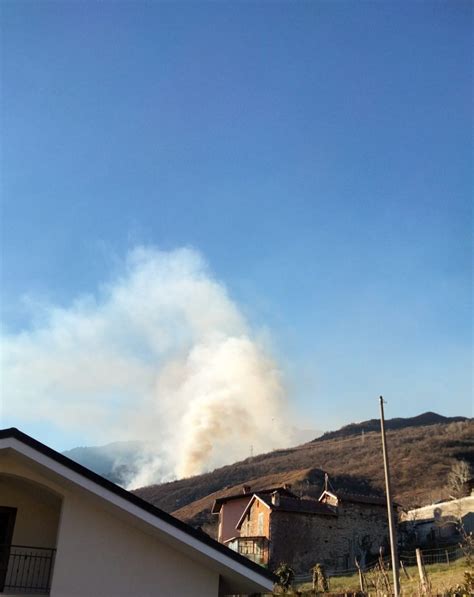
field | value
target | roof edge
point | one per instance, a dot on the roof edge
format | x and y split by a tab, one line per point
15	433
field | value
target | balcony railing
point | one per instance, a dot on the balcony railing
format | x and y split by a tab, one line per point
253	548
25	569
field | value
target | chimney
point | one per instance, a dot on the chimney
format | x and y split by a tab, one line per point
246	489
276	498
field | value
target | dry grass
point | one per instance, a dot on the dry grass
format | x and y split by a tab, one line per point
441	576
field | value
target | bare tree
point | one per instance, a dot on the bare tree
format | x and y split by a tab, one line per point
458	478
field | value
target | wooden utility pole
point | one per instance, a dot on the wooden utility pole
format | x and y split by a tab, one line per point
391	521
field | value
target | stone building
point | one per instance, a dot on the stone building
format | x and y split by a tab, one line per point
333	530
361	528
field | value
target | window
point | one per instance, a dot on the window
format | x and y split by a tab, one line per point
260	523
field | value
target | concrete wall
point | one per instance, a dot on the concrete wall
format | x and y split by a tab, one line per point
98	553
38	510
438	523
36	527
101	555
452	509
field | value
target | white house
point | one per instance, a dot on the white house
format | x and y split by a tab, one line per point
67	532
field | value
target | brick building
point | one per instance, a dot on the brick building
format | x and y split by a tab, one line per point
231	507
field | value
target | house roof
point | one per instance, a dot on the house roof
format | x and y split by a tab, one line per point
294	504
219	502
342	496
304	506
197	535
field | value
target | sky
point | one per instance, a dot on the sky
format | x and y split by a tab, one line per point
304	168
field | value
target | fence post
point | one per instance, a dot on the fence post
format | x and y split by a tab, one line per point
421	572
361	577
447	556
384	573
405	570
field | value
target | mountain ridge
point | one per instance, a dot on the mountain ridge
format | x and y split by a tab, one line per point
117	461
421	458
423	420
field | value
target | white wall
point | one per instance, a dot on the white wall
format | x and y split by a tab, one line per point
98	553
101	555
37	517
107	550
456	508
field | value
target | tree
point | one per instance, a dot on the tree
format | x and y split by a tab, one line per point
320	580
458	478
285	575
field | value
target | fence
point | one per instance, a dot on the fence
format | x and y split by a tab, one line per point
443	555
430	556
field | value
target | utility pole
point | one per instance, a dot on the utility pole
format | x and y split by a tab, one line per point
391	522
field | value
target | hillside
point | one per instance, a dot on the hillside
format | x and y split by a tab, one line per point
422	420
120	462
115	461
421	457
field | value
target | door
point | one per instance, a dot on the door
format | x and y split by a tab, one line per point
7	523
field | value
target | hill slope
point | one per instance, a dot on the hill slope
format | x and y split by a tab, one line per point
422	420
121	462
421	457
115	461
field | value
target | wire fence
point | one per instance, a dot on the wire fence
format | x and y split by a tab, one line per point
443	555
408	558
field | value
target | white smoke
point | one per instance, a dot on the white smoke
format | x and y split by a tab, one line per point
161	354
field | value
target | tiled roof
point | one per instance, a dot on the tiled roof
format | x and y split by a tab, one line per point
235	496
343	496
362	499
297	505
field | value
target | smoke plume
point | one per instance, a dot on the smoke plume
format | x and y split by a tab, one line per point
160	354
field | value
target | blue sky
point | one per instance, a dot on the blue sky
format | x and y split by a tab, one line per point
316	155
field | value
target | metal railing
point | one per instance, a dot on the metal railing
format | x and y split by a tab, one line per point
26	569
